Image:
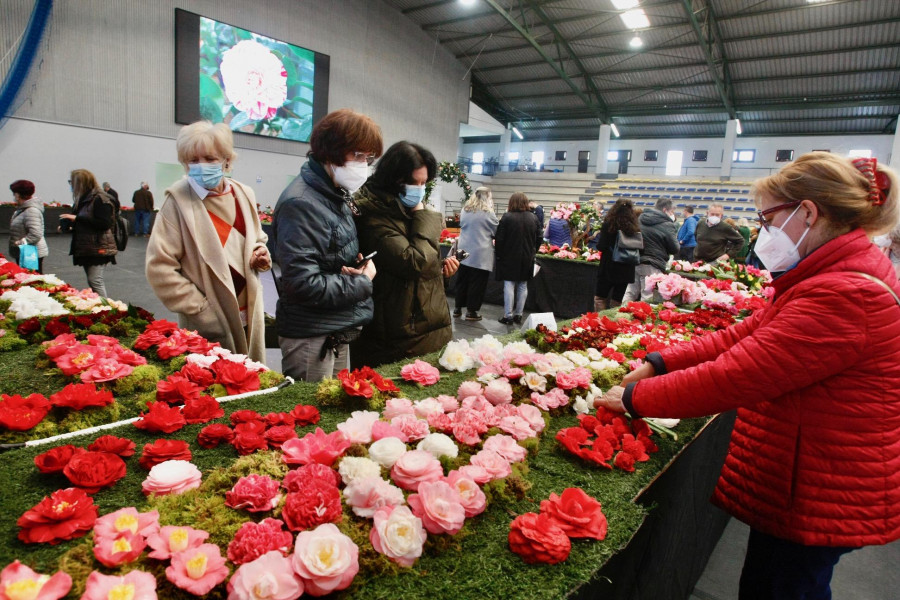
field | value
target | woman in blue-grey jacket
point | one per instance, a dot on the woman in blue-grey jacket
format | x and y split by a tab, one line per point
478	225
325	298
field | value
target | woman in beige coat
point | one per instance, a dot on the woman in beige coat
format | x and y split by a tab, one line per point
208	246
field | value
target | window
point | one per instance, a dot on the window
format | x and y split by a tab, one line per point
537	158
673	162
513	156
477	169
744	156
478	157
651	155
699	155
619	155
560	155
860	154
784	155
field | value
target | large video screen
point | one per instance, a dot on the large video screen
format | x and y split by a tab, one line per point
253	83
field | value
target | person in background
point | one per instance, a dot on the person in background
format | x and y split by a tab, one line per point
743	228
660	241
412	316
614	277
27	223
557	232
890	245
112	194
687	239
93	243
478	225
517	241
208	246
715	239
814	376
538	211
142	199
326	295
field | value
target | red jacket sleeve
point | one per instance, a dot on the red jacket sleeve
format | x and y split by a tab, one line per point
813	333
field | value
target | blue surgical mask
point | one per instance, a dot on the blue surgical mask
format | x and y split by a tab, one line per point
207	175
413	195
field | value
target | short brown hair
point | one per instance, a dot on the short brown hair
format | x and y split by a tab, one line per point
83	182
342	132
518	202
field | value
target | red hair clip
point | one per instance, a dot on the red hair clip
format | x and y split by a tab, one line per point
879	183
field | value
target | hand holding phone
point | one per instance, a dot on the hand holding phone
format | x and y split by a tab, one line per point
461	255
365	259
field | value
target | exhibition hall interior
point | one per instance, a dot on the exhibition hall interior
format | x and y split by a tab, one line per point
450	299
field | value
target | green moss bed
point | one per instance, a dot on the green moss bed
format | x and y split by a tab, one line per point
476	563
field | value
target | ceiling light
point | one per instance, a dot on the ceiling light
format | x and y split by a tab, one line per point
624	4
636	42
815	1
467	2
518	133
635	19
615	129
739	131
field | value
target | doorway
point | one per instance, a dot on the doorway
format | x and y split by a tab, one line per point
584	156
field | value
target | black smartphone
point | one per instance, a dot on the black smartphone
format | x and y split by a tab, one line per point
461	255
362	262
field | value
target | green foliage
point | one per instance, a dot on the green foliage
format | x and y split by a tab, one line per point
269	379
610	377
176	363
142	379
11	341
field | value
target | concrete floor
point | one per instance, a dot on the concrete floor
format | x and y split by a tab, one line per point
868	574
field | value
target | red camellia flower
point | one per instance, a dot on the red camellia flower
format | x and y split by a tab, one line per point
311	506
21	414
254	493
55	460
254	427
56	327
305	414
199	375
572	438
624	461
177	389
161	418
248	443
113	445
163	450
280	418
276	436
92	471
382	383
244	416
299	478
174	345
354	384
63	515
79	396
213	435
253	540
538	539
202	410
236	378
576	513
28	326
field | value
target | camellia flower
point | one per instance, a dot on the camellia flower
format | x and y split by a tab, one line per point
305	414
92	471
213	435
253	540
299	478
352	468
439	444
387	451
18	581
21	414
254	79
358	428
79	396
63	515
397	407
420	372
325	559
236	378
134	585
498	391
367	494
56	459
398	534
126	520
268	577
197	570
456	357
415	467
254	493
471	496
172	477
162	450
576	513
312	505
172	539
538	539
493	463
439	506
161	418
106	369
507	447
202	410
317	447
113	445
124	548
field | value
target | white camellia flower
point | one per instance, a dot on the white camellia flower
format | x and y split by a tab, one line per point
27	302
520	347
581	406
603	364
487	378
254	79
356	467
428	406
387	451
456	357
626	339
439	445
51	279
594	354
205	361
577	357
535	382
83	304
400	535
487	344
560	363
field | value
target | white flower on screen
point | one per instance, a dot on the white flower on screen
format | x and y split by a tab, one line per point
255	80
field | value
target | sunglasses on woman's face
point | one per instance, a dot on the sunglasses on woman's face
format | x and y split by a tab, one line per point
763	222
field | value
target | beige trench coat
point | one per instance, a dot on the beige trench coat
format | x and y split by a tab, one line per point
188	271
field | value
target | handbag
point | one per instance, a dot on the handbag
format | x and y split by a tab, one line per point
28	257
627	248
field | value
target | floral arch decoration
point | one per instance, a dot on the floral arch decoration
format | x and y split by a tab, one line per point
448	172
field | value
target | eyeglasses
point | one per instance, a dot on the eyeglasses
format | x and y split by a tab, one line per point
762	213
369	157
70	181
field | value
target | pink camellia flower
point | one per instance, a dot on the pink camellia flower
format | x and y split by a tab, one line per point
319	447
429	406
439	506
136	585
415	467
396	407
469	388
106	369
126	520
514	373
383	430
325	559
299	478
254	493
254	79
441	422
476	473
421	372
449	403
532	414
172	477
125	548
253	540
172	539
269	577
503	410
398	534
368	494
358	428
471	497
493	463
18	581
197	570
517	427
552	399
468	425
499	391
413	429
507	447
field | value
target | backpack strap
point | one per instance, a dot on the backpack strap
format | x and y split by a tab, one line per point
881	283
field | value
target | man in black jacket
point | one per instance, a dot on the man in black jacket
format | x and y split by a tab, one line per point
660	240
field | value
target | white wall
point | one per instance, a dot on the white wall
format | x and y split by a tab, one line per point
103	95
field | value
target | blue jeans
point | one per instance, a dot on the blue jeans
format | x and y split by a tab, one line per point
517	289
142	222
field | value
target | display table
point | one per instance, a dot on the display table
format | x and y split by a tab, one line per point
51	217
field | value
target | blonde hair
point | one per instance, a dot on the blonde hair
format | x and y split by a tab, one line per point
837	188
202	138
481	200
83	182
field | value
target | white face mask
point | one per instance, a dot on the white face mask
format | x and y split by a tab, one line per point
882	241
776	249
713	221
351	176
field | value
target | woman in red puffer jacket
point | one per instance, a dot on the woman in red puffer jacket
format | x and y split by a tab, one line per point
814	461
